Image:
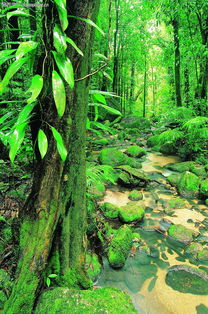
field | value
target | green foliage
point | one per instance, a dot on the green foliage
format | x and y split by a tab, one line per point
60	144
59	93
42	143
170	136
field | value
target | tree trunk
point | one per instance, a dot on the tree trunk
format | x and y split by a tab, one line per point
186	86
57	198
115	53
145	86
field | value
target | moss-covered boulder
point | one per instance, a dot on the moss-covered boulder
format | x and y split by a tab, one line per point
134	163
181	233
109	210
187	279
176	203
181	166
92	266
135	122
131	213
168	148
174	179
112	157
135	195
188	185
193	250
131	177
153	141
119	247
204	187
135	151
97	190
203	255
104	300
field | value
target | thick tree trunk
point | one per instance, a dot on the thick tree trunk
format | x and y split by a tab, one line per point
58	193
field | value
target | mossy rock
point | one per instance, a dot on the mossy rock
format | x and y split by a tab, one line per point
203	255
131	177
202	309
97	190
187	279
112	157
110	210
204	188
181	166
3	299
131	213
198	170
206	202
120	247
135	122
135	151
134	163
193	249
176	203
180	233
133	131
188	185
135	195
101	141
153	141
92	266
168	148
174	179
105	300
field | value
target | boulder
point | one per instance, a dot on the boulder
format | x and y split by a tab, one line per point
110	210
174	179
168	148
193	249
181	233
131	213
131	177
135	195
135	151
112	157
135	122
204	188
176	203
134	163
104	300
187	279
153	141
188	185
120	247
181	166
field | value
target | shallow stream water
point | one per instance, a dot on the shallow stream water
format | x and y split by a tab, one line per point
143	276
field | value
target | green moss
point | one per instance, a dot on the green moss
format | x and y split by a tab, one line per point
181	166
135	151
193	249
75	278
133	162
97	190
120	247
206	202
180	233
176	203
112	157
3	299
104	300
136	237
92	266
188	185
203	254
131	213
204	188
168	148
174	179
135	195
153	141
110	210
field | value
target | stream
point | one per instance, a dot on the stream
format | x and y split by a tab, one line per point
143	276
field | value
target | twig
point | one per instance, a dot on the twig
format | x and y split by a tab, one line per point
90	74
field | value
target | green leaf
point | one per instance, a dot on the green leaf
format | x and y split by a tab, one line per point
52	276
110	94
65	67
24	114
99	98
35	88
112	110
88	124
17	13
71	42
25	47
101	126
16	140
59	93
48	282
5	53
62	12
96	113
42	143
88	21
13	68
60	144
59	39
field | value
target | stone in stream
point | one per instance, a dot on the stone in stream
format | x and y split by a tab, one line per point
193	250
188	185
180	166
112	157
187	279
168	148
131	213
181	233
135	151
119	247
110	210
153	141
131	177
174	179
135	195
176	203
204	188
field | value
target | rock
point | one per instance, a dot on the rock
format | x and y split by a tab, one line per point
187	279
134	163
174	179
193	249
202	309
204	188
131	213
176	203
168	148
97	190
164	224
135	195
92	266
153	141
181	166
203	255
180	233
104	300
112	157
131	177
110	210
135	122
120	247
188	185
206	202
135	151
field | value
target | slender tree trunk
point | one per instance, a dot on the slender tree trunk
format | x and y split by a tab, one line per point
57	198
145	86
115	52
186	86
132	86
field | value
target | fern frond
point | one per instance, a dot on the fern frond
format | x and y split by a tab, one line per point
170	136
196	123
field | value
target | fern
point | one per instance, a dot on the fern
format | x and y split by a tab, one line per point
170	136
100	173
196	124
178	115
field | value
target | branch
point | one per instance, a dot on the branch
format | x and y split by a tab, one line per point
90	74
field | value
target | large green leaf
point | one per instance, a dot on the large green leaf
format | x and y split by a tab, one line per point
101	126
60	144
65	67
71	42
88	21
99	98
13	68
112	110
35	88
42	143
24	114
5	55
62	12
17	13
59	39
59	93
16	140
25	47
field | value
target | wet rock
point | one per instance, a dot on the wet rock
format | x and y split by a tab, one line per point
168	148
193	249
176	203
134	163
164	224
135	151
203	255
112	157
109	210
181	166
131	177
187	279
204	188
174	179
202	309
120	247
180	233
188	185
153	141
135	195
135	122
131	213
92	266
103	300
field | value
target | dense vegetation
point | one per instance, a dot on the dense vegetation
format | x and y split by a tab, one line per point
77	78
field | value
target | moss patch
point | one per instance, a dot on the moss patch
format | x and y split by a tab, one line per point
180	233
112	157
110	210
135	151
135	195
176	203
131	213
188	185
92	266
204	188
